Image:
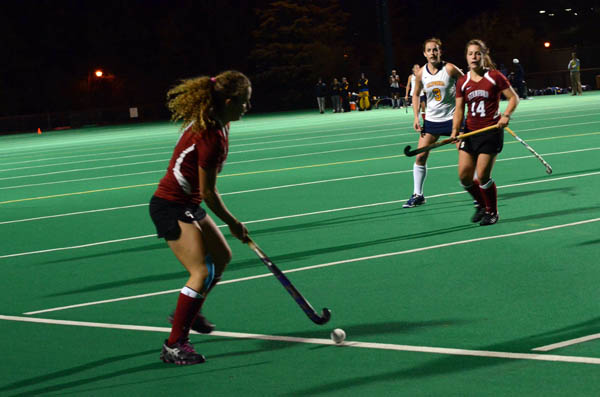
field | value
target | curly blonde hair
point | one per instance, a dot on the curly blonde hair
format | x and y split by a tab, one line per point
199	100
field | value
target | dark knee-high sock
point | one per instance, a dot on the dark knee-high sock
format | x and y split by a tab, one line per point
475	191
188	305
490	195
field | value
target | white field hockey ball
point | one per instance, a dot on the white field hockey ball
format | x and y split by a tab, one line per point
338	335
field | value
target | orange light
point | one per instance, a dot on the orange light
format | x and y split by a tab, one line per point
547	44
99	73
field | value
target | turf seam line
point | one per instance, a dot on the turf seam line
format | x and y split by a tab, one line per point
300	215
292	185
566	343
335	263
242	130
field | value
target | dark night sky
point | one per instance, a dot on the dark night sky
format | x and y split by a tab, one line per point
49	47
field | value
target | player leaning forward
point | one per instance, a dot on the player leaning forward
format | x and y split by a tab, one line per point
437	79
480	91
206	105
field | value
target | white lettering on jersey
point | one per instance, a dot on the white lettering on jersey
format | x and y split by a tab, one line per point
478	93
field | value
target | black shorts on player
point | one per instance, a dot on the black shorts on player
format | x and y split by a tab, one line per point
165	214
487	142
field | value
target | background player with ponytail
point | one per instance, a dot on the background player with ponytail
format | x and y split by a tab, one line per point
480	91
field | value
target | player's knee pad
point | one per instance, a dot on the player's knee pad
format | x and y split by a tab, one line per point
210	266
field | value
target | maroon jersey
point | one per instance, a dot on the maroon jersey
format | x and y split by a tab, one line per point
207	149
482	98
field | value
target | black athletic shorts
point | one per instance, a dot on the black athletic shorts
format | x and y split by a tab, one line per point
486	142
165	214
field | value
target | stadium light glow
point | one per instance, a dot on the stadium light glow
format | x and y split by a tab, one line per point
99	73
547	44
542	11
568	9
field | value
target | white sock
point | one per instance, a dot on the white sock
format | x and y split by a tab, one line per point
419	174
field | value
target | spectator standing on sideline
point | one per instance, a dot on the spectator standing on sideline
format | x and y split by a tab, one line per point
320	92
363	93
395	89
519	79
336	100
344	92
574	67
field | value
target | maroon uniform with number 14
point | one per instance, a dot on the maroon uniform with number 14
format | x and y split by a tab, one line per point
482	99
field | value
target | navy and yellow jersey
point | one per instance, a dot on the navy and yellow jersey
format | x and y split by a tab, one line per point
363	85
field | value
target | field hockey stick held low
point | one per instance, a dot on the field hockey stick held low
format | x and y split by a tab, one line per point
410	153
300	300
548	167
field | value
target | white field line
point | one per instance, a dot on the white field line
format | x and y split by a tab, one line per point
169	152
278	187
84	169
246	127
87	161
81	179
228	163
99	153
166	160
234	141
37	160
323	341
566	343
77	246
275	158
340	262
274	148
292	216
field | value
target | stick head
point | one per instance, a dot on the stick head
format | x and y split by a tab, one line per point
548	169
407	150
324	318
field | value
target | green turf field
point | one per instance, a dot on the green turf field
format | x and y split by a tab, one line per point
431	303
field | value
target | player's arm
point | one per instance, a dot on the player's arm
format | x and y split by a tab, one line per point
416	103
454	71
459	115
212	198
513	101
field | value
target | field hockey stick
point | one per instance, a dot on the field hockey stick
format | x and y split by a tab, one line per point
548	167
300	300
410	153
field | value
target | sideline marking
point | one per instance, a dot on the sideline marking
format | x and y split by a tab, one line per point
328	342
285	186
294	215
77	246
263	171
340	262
567	343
